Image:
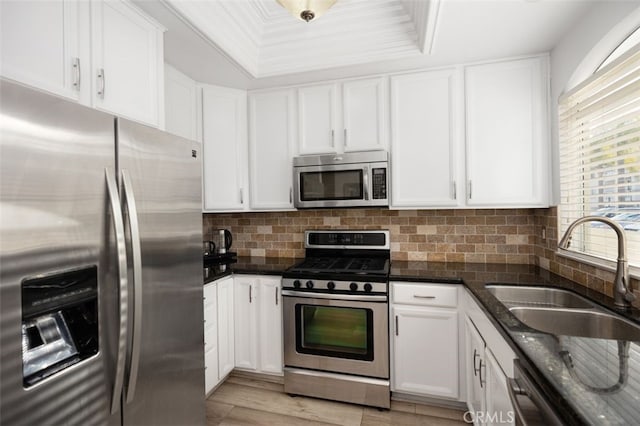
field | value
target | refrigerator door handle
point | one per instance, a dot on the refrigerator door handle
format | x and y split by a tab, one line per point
130	205
116	213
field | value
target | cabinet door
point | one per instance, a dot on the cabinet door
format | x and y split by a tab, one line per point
507	162
271	131
498	405
245	326
364	110
127	52
317	119
40	45
180	104
211	377
476	372
224	119
270	325
226	357
424	119
425	351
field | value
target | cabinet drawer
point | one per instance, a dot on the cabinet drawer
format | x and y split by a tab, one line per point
443	295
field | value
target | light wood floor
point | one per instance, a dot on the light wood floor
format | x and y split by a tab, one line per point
247	401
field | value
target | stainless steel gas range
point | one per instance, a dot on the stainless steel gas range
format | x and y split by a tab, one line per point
336	318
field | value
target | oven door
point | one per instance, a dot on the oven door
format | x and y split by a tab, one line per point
342	336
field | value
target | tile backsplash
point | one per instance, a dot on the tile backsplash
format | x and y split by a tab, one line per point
473	236
587	275
487	235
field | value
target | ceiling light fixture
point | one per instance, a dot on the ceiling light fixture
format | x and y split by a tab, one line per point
307	10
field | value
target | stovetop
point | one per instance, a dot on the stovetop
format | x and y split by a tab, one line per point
336	265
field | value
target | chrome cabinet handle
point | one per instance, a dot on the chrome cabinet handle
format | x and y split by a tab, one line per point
480	367
101	82
241	197
345	137
276	296
333	139
136	253
417	296
290	195
455	190
116	214
366	183
250	297
475	355
470	187
397	331
76	73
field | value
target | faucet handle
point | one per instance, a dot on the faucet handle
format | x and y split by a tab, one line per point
629	296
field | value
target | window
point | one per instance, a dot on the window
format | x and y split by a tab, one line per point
599	125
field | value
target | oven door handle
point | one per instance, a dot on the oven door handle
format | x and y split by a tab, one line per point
354	297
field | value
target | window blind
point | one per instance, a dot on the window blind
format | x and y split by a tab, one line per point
599	129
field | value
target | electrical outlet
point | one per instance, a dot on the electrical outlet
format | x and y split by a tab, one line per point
544	233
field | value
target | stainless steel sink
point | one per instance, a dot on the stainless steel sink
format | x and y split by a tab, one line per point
577	322
538	297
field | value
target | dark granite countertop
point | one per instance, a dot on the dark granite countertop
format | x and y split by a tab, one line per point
249	265
584	394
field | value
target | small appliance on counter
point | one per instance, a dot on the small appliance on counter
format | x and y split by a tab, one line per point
223	240
216	253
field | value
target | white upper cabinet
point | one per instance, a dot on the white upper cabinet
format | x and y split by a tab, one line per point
127	62
317	119
425	152
40	45
106	54
358	123
271	133
224	136
180	94
506	133
364	111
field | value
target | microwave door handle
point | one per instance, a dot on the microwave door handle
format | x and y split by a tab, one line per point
366	183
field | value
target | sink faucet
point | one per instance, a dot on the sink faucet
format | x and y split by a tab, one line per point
623	295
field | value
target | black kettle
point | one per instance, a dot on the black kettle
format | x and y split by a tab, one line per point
224	240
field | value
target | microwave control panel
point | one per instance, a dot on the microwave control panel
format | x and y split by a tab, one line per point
379	183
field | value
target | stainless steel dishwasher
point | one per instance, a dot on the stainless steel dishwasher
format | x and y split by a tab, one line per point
530	405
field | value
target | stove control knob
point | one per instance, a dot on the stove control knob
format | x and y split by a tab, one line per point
367	287
296	284
309	284
353	286
331	285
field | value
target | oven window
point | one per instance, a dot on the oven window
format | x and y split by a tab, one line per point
335	331
331	185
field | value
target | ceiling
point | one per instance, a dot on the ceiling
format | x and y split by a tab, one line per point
257	43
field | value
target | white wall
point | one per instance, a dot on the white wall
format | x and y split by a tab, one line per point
580	52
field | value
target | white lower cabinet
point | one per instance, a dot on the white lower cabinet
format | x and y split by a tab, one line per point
226	344
425	339
258	323
487	394
218	331
210	337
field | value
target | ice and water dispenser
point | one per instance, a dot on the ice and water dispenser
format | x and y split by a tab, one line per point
59	322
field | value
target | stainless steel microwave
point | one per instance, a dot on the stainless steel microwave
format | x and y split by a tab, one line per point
355	179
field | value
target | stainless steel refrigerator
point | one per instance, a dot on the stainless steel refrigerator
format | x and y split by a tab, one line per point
100	268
